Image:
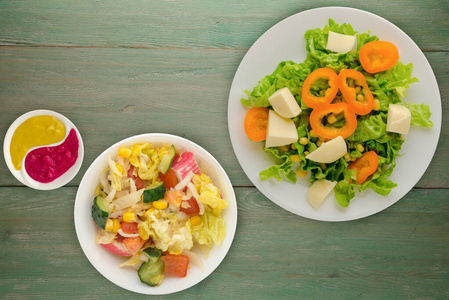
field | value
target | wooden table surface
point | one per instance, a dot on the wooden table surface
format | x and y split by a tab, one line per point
119	68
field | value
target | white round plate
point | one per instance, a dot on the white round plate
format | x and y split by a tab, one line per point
285	41
21	174
107	263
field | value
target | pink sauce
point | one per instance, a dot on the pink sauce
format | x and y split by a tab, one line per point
45	164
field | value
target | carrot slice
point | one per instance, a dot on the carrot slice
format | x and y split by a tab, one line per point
256	124
378	56
365	165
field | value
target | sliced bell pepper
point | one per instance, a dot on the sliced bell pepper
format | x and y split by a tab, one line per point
365	165
378	56
314	101
359	107
330	132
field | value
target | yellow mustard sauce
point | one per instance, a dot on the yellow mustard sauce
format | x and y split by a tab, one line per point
35	131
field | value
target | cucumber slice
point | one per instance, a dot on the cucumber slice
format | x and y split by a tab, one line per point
151	273
100	211
154	192
167	160
153	253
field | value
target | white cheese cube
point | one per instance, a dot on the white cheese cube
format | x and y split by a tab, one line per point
330	151
341	43
399	118
284	103
319	191
281	131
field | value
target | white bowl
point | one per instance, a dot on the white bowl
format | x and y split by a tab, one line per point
107	263
21	174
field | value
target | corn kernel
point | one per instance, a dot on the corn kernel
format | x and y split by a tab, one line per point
148	213
376	104
108	226
358	89
323	166
321	138
283	148
306	153
347	157
143	233
97	190
313	133
129	217
295	158
331	119
124	152
360	148
301	173
319	143
195	221
360	97
120	168
303	141
160	204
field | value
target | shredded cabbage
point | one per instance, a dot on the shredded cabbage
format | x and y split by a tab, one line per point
209	194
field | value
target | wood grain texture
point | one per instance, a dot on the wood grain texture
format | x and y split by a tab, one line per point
400	253
192	23
119	68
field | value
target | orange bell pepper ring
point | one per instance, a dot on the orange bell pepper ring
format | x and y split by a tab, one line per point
361	105
378	56
365	165
330	132
314	101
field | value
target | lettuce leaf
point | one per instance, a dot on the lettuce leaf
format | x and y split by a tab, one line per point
420	114
281	170
287	74
211	230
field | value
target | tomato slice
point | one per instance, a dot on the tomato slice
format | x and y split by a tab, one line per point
176	265
190	207
170	179
134	244
138	181
129	227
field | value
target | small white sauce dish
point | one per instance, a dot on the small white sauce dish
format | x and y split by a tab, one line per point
21	174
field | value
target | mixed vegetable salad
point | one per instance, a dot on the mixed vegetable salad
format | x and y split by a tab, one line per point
338	116
154	206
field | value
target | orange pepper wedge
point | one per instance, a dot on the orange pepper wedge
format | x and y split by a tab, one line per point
378	56
330	132
365	165
256	124
314	101
359	107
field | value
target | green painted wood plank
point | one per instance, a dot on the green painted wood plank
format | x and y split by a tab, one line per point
192	23
400	253
133	91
